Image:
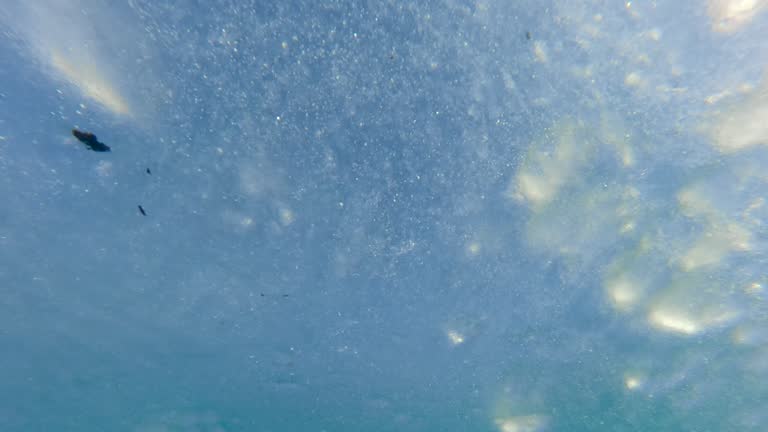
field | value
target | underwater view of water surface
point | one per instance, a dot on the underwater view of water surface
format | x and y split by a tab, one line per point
338	216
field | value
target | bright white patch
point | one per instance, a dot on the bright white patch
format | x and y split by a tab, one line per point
714	245
529	423
241	222
57	37
676	320
633	79
755	289
673	321
473	248
720	238
540	52
455	337
85	75
623	293
632	382
547	170
693	203
286	216
627	228
743	126
730	15
537	189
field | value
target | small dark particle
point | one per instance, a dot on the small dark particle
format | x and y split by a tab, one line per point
90	141
149	172
274	295
528	35
141	209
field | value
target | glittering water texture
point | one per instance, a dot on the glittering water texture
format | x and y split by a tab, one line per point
384	216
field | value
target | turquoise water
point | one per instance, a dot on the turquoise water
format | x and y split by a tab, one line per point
400	216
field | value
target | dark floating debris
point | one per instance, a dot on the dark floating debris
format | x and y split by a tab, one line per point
141	209
149	172
528	35
90	141
274	295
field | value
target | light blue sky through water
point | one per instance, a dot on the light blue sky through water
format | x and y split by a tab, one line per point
394	216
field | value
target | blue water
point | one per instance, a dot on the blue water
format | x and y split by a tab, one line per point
383	216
